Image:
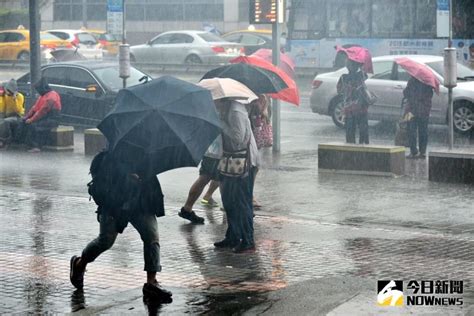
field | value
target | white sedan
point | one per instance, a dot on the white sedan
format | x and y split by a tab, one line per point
388	82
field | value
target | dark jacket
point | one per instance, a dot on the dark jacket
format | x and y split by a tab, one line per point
419	98
350	86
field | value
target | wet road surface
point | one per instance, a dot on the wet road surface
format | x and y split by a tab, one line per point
312	226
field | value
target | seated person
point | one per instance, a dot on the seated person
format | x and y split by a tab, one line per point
11	111
42	117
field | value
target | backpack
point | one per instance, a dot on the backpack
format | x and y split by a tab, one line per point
106	187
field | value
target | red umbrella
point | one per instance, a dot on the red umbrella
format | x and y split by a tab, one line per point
290	94
286	63
419	71
359	55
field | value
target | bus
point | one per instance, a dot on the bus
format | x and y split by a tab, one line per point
385	27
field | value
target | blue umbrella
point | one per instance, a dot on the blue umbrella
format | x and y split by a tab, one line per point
164	124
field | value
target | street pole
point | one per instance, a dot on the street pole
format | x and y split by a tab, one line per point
276	120
84	13
124	41
35	58
450	87
124	52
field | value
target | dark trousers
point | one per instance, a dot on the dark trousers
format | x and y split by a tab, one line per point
147	227
237	195
36	134
418	126
361	121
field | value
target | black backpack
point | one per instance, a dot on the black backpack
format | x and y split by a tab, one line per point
107	184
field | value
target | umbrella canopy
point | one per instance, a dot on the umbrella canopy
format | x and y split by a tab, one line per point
419	71
286	63
228	88
360	55
164	124
290	94
259	80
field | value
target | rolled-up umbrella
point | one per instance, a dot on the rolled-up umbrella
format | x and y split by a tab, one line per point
419	71
286	63
360	55
221	88
290	94
164	124
260	81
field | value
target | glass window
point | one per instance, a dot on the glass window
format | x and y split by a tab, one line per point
425	22
3	37
162	39
97	12
164	12
86	38
235	38
48	36
80	78
249	39
199	12
463	71
392	18
181	39
307	21
110	76
348	18
382	70
135	12
209	37
61	35
56	75
15	37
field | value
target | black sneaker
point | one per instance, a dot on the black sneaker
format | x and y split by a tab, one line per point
226	243
156	293
421	156
75	276
412	156
191	216
244	248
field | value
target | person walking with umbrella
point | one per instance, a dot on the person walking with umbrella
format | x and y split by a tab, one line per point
352	88
161	125
418	94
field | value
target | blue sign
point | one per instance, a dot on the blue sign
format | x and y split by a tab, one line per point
115	5
443	5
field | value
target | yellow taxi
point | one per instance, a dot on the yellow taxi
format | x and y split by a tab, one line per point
110	43
15	44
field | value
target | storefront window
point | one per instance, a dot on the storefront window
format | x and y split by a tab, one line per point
308	20
348	18
392	18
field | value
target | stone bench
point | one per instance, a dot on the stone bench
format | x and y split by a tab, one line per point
361	159
60	138
451	166
94	141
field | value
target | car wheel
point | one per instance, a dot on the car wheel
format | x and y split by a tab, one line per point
193	59
24	56
337	113
463	117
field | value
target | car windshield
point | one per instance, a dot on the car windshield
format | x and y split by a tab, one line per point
209	37
48	36
108	37
110	76
463	71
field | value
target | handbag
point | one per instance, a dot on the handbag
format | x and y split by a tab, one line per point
263	133
234	164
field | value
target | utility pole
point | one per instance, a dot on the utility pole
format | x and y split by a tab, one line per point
276	111
450	75
35	58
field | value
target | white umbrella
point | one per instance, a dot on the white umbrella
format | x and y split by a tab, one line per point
221	88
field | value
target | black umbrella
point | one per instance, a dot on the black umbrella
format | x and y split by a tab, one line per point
164	124
258	80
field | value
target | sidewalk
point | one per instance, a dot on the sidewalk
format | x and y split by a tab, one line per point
323	240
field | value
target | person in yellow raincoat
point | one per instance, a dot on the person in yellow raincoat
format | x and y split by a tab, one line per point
12	108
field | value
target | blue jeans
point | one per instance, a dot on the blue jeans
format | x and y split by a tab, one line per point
147	227
237	195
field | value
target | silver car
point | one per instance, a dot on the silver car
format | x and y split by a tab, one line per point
388	82
189	47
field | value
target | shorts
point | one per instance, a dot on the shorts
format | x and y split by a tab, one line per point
209	168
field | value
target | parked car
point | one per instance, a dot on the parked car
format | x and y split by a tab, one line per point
253	40
87	89
189	47
15	44
110	44
388	82
85	42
